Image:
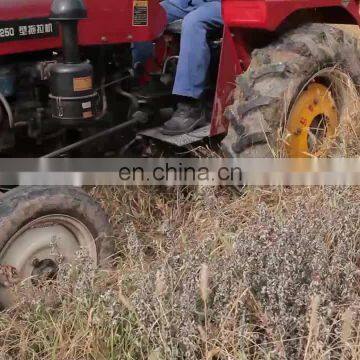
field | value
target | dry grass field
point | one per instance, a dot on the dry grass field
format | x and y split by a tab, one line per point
205	274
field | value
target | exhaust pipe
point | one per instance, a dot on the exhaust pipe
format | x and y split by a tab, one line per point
68	13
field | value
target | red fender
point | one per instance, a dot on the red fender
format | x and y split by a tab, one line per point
268	15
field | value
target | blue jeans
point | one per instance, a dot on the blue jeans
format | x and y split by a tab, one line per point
194	59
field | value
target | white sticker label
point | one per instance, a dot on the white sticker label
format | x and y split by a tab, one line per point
86	105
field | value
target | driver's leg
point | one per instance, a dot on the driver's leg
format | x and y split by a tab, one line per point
192	68
194	57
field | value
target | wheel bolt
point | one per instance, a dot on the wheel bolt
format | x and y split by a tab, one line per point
297	132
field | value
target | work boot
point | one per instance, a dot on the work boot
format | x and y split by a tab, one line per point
188	117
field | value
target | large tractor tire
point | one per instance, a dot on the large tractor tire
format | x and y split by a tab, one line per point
41	226
291	100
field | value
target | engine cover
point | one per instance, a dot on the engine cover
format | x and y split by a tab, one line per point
26	26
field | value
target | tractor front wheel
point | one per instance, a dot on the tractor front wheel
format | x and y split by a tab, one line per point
42	227
292	99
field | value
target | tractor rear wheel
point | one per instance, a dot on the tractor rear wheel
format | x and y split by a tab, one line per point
291	100
42	227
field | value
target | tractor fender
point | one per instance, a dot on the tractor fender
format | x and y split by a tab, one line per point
269	15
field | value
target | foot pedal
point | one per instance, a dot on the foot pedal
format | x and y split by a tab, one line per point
178	140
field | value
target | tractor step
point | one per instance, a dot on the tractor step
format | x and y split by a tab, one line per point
178	140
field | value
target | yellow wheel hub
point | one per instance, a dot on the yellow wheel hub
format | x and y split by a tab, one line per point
313	120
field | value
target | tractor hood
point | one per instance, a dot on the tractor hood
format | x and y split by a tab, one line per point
25	24
18	9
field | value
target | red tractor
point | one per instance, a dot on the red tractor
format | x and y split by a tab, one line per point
67	84
66	77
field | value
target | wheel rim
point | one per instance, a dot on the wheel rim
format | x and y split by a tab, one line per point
38	247
313	121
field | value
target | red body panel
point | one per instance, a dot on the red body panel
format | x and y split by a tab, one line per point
269	14
109	22
234	60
